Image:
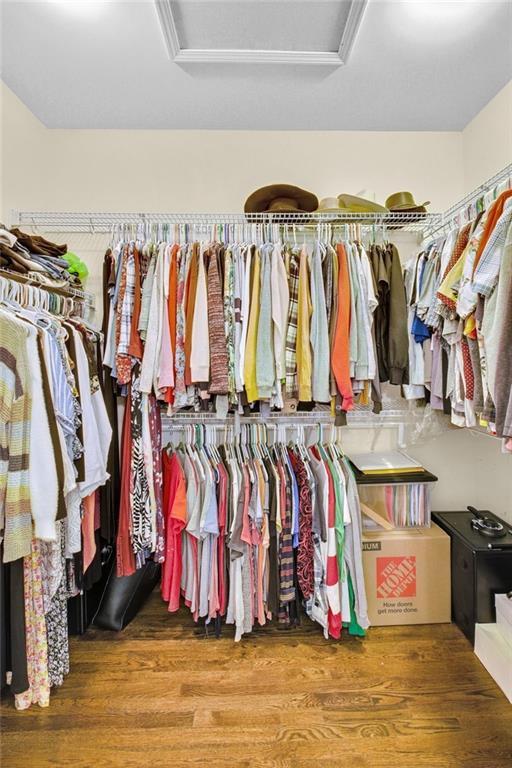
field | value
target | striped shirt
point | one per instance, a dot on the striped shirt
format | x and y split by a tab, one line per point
286	586
487	270
15	411
291	331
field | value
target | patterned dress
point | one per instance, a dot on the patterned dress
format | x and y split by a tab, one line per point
305	572
35	633
141	510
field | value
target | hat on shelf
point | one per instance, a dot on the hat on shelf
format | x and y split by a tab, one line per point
404	202
328	205
281	198
354	204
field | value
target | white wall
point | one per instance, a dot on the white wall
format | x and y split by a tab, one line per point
213	171
487	140
23	142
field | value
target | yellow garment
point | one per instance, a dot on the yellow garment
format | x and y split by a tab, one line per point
470	326
252	332
453	276
303	345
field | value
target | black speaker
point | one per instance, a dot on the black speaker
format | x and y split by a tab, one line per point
481	567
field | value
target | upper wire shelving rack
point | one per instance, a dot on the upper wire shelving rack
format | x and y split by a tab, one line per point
428	223
107	222
466	209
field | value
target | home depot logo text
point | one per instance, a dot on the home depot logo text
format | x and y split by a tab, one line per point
396	576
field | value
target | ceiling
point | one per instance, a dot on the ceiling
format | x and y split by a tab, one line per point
413	65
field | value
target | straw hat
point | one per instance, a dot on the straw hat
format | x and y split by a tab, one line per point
328	205
280	198
353	204
404	201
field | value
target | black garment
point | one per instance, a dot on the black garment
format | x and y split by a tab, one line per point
79	463
380	262
447	406
110	492
13	635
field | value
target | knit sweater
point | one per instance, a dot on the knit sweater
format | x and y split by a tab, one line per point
500	346
15	412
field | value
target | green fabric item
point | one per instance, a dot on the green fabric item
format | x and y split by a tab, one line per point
76	265
352	625
338	518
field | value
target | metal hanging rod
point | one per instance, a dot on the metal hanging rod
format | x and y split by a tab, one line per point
361	416
466	208
106	222
257	418
61	290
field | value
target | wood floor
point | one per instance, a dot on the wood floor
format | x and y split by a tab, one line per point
160	694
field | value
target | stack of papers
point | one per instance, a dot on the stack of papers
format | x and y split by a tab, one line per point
386	463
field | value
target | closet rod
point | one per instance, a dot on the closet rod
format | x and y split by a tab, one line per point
105	222
361	416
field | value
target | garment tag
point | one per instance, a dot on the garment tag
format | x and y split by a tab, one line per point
290	405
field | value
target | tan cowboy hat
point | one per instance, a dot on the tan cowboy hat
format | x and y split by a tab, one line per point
328	205
404	201
280	198
354	204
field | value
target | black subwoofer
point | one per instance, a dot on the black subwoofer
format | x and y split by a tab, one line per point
481	566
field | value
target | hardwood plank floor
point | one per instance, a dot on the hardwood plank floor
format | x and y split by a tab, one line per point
160	693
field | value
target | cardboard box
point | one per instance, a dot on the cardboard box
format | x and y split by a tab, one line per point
407	575
496	655
504	617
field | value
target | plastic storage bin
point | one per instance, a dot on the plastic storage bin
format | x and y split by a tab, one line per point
401	505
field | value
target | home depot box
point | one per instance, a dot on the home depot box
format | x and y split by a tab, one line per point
407	574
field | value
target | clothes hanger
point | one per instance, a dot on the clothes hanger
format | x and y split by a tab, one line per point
237	449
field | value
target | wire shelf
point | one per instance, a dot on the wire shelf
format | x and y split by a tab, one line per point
465	209
394	414
106	222
62	290
428	223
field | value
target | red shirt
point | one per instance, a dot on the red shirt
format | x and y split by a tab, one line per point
175	514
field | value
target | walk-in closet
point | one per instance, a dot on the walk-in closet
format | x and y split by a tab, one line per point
256	383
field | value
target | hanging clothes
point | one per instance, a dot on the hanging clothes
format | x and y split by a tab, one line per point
254	530
459	331
237	326
52	405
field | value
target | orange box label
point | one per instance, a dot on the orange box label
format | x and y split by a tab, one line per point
396	576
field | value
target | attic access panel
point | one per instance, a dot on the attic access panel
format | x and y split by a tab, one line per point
308	32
